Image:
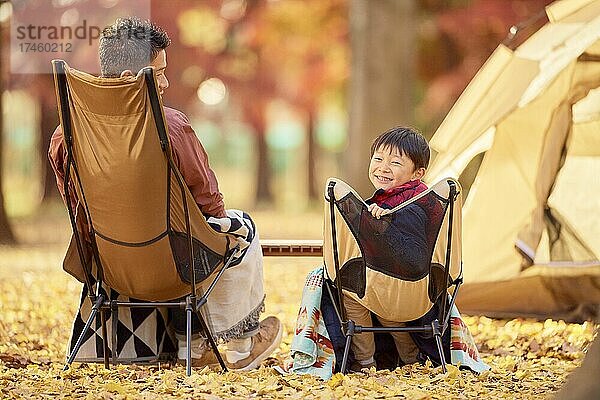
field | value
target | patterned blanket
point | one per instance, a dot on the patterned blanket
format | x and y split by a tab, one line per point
312	351
239	225
143	334
463	350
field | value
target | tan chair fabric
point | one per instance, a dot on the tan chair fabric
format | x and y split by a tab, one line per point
394	299
123	174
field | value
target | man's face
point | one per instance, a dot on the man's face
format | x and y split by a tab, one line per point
160	65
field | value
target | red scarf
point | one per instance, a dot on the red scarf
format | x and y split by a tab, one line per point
392	197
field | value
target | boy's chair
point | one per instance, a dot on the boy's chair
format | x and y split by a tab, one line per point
137	227
386	265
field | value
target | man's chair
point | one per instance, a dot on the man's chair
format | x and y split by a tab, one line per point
136	228
411	273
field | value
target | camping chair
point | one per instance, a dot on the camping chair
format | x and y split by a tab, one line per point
362	252
136	216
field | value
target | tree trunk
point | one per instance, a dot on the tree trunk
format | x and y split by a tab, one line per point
382	38
48	122
311	158
263	172
255	112
6	232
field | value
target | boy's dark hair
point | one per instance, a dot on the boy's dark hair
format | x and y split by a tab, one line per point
406	140
130	44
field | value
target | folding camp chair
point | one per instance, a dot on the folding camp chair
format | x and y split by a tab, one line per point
143	227
362	252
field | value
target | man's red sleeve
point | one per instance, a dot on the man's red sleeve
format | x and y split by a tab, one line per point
192	161
57	156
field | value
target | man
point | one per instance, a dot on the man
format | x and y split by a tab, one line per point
126	47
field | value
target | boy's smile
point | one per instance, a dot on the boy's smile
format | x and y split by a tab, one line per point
390	168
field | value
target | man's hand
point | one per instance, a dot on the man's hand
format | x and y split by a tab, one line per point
377	211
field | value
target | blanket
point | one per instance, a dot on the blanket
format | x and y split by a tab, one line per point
463	350
311	350
239	225
307	357
143	334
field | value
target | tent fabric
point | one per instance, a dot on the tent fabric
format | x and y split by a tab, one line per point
396	298
116	147
529	217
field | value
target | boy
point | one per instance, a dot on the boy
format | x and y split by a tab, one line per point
399	158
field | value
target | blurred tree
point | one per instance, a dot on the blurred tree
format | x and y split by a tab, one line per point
583	383
305	45
456	37
455	42
382	37
401	47
207	45
6	232
298	51
262	51
40	86
43	90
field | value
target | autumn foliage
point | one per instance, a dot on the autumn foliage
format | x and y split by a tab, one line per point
530	359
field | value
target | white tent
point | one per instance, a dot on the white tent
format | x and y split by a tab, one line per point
531	221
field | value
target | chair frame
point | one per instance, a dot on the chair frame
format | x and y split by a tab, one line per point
100	303
437	327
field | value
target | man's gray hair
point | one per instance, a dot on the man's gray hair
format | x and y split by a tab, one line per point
130	44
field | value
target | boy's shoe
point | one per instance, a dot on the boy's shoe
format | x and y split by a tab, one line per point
264	343
202	354
358	367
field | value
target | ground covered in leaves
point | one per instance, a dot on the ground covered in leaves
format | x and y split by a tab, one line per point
529	359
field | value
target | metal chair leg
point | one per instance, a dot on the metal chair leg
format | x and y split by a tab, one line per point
349	334
188	337
437	333
79	342
105	349
114	314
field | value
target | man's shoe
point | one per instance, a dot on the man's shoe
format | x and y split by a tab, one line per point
202	354
264	343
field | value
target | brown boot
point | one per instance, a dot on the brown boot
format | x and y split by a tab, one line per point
202	354
264	343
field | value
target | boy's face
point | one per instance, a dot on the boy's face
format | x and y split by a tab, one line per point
390	168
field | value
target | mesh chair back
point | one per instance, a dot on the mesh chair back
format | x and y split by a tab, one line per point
131	191
402	260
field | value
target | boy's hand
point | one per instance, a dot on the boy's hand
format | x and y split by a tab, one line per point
377	211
